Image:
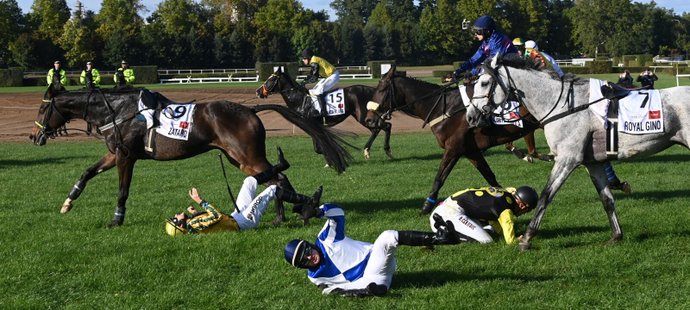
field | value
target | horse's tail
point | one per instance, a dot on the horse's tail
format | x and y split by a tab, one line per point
331	144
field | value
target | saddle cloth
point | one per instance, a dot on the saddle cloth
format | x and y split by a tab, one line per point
507	117
638	113
335	102
175	120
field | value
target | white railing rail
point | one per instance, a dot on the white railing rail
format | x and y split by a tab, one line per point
202	71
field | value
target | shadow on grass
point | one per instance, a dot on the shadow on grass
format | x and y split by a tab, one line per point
378	206
656	195
437	278
13	163
666	158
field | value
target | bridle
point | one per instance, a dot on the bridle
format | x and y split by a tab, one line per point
271	90
45	130
389	95
512	89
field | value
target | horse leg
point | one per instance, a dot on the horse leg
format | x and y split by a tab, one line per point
125	168
447	163
559	173
367	147
532	149
387	141
478	161
598	175
105	163
511	148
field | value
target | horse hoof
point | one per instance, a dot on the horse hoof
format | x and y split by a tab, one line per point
65	208
525	246
615	239
427	207
390	154
528	159
366	154
114	224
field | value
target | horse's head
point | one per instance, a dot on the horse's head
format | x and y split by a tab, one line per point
489	91
381	106
50	119
278	82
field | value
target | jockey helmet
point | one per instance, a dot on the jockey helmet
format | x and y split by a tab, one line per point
531	44
173	228
307	53
528	196
518	41
296	252
485	23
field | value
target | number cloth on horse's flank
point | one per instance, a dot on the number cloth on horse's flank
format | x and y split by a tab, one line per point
175	119
335	102
508	117
638	113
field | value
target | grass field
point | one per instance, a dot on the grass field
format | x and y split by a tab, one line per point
50	260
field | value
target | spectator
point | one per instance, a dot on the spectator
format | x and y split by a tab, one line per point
647	78
625	79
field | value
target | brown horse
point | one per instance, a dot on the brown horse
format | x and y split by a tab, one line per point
297	98
443	109
232	128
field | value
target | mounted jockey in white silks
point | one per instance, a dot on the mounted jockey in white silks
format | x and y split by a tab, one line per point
320	68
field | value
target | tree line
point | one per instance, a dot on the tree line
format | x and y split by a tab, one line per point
238	33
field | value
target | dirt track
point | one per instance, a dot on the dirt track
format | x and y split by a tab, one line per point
18	113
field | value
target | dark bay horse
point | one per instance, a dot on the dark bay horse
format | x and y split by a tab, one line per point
571	128
233	129
356	98
443	109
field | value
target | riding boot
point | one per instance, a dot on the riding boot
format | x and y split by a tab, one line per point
270	173
322	104
306	206
445	234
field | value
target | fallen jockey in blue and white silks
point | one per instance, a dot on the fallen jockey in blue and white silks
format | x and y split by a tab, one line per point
349	264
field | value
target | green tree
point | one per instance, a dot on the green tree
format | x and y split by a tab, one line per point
605	27
380	17
120	27
11	20
78	40
50	16
274	24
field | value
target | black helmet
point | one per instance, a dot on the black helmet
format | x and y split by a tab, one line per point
485	23
307	53
528	195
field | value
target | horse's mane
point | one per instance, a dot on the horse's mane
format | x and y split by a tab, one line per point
531	65
417	81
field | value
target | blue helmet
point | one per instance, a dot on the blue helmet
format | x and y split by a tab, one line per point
485	23
294	252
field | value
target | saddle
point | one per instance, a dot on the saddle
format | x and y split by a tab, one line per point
613	91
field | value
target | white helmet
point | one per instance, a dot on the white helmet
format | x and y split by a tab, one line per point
531	44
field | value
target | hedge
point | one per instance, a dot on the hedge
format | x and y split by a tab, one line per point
375	67
11	77
265	69
596	66
143	74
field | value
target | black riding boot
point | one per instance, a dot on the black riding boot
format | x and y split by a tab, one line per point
445	234
270	173
306	206
322	104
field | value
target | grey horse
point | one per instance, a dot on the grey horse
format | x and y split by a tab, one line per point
569	126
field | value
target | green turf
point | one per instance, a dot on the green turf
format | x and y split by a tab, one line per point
50	260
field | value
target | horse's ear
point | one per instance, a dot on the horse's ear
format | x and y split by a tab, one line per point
495	61
390	73
279	70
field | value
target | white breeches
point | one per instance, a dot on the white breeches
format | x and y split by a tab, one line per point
251	208
326	84
380	267
449	210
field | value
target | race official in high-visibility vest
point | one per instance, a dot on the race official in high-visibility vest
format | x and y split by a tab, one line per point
90	77
57	78
124	76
